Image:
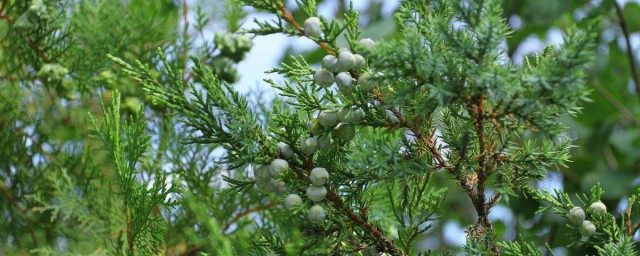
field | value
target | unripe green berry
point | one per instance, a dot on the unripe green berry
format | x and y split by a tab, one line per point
132	104
330	63
324	78
314	127
361	62
292	200
327	119
312	27
344	82
309	145
347	60
226	44
367	43
38	7
357	116
317	214
597	208
351	116
262	172
285	150
587	229
345	132
316	193
243	43
278	166
319	176
324	141
343	114
576	216
52	72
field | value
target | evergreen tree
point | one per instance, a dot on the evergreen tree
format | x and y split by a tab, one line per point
171	159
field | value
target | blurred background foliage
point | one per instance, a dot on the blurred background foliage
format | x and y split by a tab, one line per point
44	127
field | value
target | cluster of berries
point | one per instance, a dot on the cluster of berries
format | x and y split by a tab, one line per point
55	75
37	10
266	176
232	50
267	181
577	217
329	125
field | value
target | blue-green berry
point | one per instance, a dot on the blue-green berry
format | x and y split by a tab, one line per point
319	176
316	193
317	214
279	187
285	150
597	208
361	62
312	27
309	145
346	60
576	216
324	141
292	200
367	43
278	166
587	229
324	78
344	82
262	172
330	63
327	119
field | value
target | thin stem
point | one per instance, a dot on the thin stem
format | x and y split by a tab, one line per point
185	17
632	60
129	231
615	103
286	15
247	212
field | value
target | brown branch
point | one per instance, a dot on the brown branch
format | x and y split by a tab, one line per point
627	221
129	231
632	60
247	212
16	204
36	46
477	109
